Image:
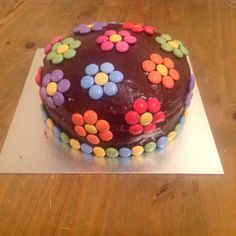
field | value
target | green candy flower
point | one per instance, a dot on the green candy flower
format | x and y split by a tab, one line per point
63	50
172	45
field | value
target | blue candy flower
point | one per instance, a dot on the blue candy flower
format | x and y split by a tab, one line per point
101	80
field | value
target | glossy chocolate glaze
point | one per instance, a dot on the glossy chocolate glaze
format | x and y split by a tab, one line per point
134	85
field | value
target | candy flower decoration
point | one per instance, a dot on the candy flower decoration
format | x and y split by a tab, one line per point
121	40
53	87
144	116
93	26
63	50
160	70
138	27
172	45
89	126
101	80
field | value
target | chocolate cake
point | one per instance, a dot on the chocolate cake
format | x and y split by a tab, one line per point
115	89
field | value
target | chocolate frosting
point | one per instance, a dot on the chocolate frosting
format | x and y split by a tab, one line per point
134	85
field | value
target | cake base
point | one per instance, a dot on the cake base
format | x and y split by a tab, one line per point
30	148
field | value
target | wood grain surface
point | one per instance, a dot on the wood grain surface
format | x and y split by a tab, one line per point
124	204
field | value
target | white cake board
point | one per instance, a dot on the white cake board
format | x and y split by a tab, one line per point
30	148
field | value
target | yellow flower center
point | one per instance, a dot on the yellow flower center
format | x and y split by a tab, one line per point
162	69
90	129
115	38
173	44
89	26
101	78
62	48
51	88
146	118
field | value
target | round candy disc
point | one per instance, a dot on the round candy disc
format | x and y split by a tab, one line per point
153	105
124	152
162	142
95	92
80	130
122	46
115	38
116	76
107	46
140	105
74	143
57	75
93	139
168	82
90	129
110	89
137	150
99	152
112	152
101	78
146	118
149	128
130	39
137	28
168	63
107	67
136	129
90	117
87	81
102	125
77	119
86	148
110	32
58	99
51	88
106	135
154	77
63	85
91	69
124	33
101	39
158	117
148	66
156	58
132	117
162	69
174	74
150	147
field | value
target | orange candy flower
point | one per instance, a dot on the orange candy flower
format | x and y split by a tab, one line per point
160	70
90	126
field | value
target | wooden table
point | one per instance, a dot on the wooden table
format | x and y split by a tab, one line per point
124	204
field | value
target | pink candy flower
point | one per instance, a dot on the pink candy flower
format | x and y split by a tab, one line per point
121	40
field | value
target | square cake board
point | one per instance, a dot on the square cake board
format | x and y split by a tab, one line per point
30	148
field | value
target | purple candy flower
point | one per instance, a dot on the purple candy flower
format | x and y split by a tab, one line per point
93	26
53	87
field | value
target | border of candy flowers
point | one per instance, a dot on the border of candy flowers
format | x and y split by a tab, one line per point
137	150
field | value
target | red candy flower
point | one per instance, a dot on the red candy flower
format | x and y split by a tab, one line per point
38	77
144	116
160	70
138	27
